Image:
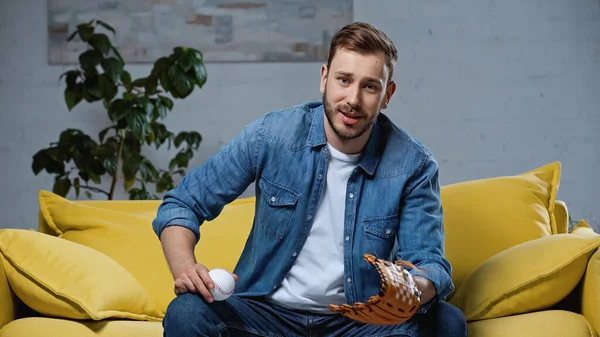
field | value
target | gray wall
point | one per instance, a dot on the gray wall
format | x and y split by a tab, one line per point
492	87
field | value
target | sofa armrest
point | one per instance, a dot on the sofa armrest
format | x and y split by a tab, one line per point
590	301
561	215
7	298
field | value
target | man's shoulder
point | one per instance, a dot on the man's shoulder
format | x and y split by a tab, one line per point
290	126
292	113
401	144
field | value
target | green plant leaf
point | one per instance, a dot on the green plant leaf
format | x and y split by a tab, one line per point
150	85
119	109
100	42
71	98
92	87
180	138
164	183
201	75
113	68
186	59
77	186
108	88
71	77
126	79
106	26
85	31
116	51
88	194
166	101
102	133
61	186
181	84
193	139
90	59
110	164
141	194
148	171
95	178
145	104
161	66
137	121
161	110
180	160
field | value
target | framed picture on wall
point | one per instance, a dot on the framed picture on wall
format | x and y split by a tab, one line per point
223	30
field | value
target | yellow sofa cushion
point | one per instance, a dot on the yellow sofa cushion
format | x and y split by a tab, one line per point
126	238
530	276
548	323
222	240
583	228
484	217
52	327
59	278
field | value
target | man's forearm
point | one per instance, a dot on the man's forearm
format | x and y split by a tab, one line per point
426	287
178	245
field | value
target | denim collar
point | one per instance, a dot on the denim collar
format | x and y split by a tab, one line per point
372	151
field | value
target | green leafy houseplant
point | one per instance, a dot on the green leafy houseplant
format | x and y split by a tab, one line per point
135	109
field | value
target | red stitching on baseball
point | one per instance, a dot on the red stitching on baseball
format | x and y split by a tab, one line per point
221	290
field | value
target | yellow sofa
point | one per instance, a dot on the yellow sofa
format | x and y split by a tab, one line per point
95	268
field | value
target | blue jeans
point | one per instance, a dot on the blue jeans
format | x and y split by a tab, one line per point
189	315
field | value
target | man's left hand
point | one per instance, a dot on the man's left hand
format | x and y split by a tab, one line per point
397	301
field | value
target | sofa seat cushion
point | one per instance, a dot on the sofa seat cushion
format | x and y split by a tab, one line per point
54	327
486	216
551	323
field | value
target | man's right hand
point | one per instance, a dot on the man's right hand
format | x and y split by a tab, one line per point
195	279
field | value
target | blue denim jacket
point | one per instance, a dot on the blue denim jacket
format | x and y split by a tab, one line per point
393	206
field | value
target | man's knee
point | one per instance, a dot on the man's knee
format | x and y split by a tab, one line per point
189	315
450	320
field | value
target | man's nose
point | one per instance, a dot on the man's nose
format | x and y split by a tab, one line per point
353	97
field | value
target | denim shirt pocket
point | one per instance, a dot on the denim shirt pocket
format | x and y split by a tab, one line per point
276	210
380	234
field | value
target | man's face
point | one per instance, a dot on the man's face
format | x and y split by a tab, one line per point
355	88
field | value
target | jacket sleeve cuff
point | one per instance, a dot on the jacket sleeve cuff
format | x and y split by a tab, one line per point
176	217
442	283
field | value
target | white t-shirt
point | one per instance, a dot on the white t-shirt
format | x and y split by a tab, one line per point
317	277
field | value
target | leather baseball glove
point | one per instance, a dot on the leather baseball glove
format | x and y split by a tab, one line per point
397	301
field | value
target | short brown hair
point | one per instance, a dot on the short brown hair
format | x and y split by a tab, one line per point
364	38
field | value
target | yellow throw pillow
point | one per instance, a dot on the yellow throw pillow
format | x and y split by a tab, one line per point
126	238
59	278
484	217
583	228
530	276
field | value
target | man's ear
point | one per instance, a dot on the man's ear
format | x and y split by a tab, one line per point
389	92
324	72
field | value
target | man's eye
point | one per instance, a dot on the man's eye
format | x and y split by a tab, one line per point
343	80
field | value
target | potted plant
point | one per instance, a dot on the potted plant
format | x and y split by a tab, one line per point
135	108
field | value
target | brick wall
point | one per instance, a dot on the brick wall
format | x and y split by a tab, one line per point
492	87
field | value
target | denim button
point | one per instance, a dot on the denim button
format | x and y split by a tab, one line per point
294	254
347	238
308	217
351	195
320	177
273	199
349	280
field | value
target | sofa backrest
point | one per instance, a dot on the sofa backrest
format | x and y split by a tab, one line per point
481	218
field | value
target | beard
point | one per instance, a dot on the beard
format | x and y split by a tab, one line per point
343	131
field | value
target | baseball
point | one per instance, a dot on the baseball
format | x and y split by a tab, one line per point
224	284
